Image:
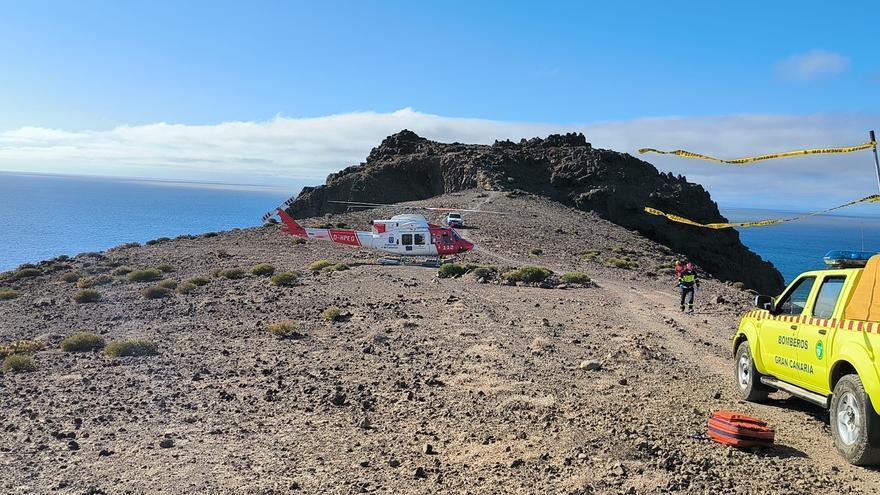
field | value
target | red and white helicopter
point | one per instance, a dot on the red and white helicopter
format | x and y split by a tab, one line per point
405	235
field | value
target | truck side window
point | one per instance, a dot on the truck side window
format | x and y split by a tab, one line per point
826	301
406	239
794	301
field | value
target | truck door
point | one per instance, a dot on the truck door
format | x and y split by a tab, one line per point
816	334
777	333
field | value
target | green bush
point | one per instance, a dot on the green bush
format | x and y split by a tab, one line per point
21	347
263	270
156	292
531	274
19	363
285	279
86	282
590	255
283	329
27	273
576	278
186	288
168	284
82	342
165	268
320	265
332	314
536	251
7	294
338	267
450	270
200	281
739	285
299	240
625	263
71	277
160	240
149	275
486	272
87	296
232	273
121	270
135	347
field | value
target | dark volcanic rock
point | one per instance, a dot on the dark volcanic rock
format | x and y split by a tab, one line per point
566	168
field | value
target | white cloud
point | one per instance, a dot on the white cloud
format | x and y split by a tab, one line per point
811	65
284	151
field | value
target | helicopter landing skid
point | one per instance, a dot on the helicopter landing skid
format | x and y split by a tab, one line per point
399	261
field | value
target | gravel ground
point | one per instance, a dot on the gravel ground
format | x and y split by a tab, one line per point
424	385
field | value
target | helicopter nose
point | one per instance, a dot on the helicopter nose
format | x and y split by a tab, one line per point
464	246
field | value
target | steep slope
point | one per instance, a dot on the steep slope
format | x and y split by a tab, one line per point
565	168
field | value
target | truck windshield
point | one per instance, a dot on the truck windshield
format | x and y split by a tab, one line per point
794	301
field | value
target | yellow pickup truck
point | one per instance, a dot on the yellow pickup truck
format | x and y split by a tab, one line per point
819	341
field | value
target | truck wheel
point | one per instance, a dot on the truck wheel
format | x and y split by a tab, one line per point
748	380
855	425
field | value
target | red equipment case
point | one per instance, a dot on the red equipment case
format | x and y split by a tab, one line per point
739	430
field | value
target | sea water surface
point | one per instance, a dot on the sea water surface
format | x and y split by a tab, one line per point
799	246
43	216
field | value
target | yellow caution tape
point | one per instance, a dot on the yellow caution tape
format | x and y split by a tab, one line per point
752	159
874	198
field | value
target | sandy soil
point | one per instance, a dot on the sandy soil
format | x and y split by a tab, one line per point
426	385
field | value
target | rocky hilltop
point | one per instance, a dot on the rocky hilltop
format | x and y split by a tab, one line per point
565	168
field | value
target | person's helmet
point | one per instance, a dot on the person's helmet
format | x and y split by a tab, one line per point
689	266
677	262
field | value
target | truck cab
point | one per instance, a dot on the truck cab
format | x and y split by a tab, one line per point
817	341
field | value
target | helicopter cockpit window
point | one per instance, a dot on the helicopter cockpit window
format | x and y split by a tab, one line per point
455	235
420	239
445	238
406	239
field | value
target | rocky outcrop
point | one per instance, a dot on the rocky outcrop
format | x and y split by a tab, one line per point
566	168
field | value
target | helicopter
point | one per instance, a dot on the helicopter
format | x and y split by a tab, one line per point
404	235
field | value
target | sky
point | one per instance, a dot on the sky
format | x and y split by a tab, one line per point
287	92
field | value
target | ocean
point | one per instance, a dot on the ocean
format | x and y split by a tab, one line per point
43	216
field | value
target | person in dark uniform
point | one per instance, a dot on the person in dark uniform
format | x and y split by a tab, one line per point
687	282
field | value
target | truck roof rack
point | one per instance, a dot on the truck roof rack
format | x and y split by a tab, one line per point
847	259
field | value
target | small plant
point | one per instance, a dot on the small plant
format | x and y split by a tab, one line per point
135	347
263	270
221	253
739	285
283	329
299	240
86	282
19	363
536	251
590	255
232	273
625	263
156	292
338	267
186	288
576	278
165	268
485	272
160	240
87	296
530	274
285	279
450	270
7	294
200	281
121	270
320	265
168	284
27	273
149	275
332	314
209	234
82	342
21	347
71	277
